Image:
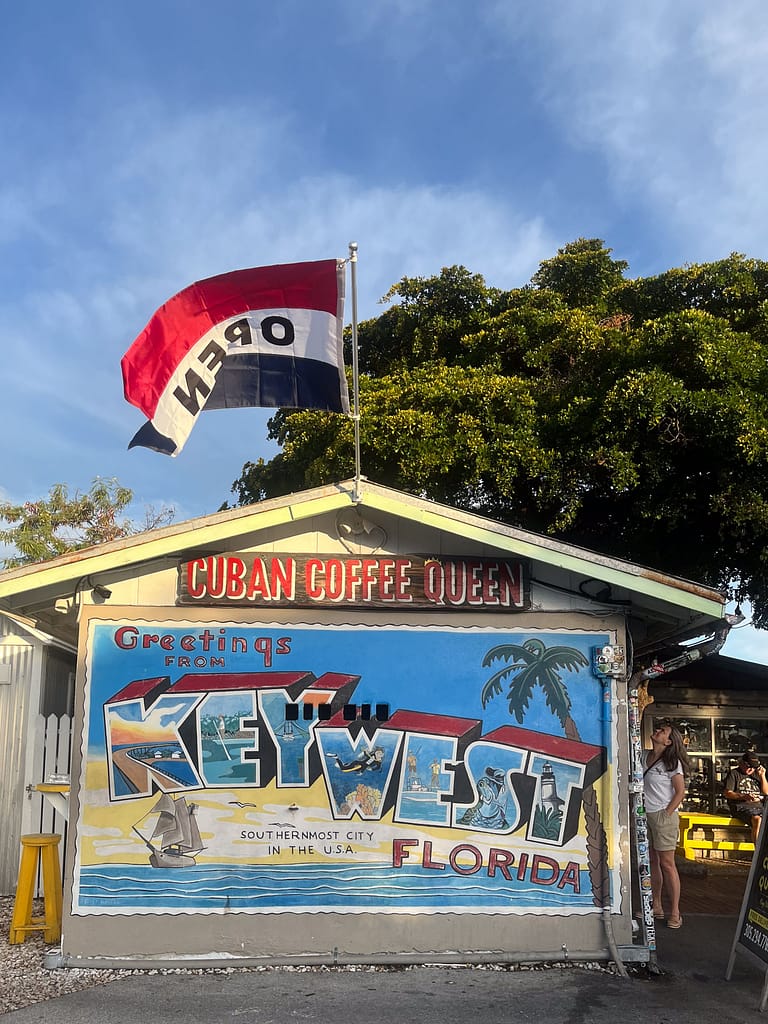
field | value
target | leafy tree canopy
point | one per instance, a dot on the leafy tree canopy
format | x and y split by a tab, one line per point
64	521
626	415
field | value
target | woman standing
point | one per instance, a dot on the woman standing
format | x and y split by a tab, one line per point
666	769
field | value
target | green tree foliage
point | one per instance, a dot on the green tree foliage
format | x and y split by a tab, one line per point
583	273
64	521
629	416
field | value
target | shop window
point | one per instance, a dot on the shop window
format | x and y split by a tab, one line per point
714	744
57	694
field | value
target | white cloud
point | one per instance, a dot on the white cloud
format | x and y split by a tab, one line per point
672	97
199	216
168	201
70	340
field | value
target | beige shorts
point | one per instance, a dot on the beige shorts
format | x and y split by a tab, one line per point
664	829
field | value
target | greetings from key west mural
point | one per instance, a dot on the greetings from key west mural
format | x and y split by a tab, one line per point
238	768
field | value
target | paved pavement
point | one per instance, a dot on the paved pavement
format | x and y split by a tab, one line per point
690	988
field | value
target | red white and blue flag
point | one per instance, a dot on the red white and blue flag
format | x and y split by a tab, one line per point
268	336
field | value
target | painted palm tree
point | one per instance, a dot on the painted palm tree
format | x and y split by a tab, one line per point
534	664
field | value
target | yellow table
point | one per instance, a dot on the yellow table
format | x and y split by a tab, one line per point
57	795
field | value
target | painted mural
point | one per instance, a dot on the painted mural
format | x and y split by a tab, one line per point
238	768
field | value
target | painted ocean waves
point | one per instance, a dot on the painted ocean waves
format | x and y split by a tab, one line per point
224	888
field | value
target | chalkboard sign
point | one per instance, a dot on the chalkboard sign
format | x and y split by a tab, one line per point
752	931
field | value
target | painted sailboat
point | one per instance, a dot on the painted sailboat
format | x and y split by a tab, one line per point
175	841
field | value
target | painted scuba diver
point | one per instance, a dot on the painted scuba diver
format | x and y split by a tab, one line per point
369	760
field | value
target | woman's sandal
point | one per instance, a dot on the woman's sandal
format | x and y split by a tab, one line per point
675	922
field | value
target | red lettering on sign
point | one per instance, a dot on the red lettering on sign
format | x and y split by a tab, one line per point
463	869
490	585
474	581
426	858
386	579
258	585
367	578
313	588
510	585
352	578
433	582
400	850
334	579
217	582
125	637
402	579
455	583
539	864
195	589
235	578
284	579
570	876
501	859
287	579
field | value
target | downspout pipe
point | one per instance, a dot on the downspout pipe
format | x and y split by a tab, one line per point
693	653
606	908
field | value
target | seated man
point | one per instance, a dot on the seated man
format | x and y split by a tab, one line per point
744	788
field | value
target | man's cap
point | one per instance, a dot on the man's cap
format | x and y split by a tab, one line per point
750	759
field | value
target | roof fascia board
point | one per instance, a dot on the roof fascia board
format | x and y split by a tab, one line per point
498	536
304	505
44	638
96	560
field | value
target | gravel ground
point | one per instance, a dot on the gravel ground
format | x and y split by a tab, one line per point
25	981
23	978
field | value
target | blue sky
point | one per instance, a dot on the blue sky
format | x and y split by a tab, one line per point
149	145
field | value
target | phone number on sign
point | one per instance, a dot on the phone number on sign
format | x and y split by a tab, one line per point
756	937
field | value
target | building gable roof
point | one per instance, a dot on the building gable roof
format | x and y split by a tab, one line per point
236	528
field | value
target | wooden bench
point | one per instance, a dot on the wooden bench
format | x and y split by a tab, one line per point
706	825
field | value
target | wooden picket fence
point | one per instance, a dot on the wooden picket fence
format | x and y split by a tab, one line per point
52	755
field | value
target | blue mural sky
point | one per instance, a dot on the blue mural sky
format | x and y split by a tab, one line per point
437	671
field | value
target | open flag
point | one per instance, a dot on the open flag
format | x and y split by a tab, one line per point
268	336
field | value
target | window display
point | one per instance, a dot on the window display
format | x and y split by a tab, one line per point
714	745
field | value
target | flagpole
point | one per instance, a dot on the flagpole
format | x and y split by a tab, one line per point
357	496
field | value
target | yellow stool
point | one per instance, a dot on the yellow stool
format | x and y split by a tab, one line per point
40	848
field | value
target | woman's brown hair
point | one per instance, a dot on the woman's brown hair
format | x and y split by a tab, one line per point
676	750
